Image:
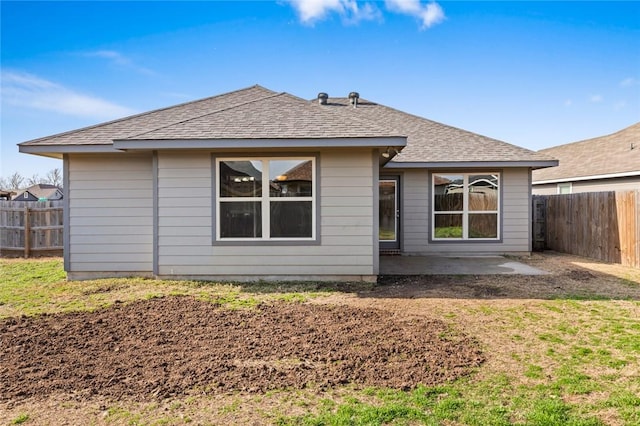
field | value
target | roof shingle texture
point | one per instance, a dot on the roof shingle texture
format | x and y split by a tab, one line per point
259	113
41	190
106	133
592	157
436	142
281	116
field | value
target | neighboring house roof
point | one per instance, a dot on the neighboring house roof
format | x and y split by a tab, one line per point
256	117
614	155
41	191
302	171
7	194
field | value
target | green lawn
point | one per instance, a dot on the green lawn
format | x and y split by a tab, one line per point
550	362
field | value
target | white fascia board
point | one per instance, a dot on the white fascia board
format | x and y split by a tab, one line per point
469	164
592	177
58	150
383	142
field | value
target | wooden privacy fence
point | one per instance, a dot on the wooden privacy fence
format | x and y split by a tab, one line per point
31	228
599	225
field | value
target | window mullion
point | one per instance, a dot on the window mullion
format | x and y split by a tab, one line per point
465	206
266	205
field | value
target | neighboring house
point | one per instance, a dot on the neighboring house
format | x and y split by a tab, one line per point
39	192
255	184
607	163
6	195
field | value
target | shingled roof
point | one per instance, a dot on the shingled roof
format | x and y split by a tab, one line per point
614	154
106	133
433	142
259	114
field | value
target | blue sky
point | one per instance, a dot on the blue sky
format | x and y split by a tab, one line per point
535	74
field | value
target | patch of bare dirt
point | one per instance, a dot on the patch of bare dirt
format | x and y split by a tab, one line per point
166	347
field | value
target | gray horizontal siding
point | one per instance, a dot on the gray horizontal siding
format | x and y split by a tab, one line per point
186	223
110	213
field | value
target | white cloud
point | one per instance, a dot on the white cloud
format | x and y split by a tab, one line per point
312	10
352	11
429	14
118	59
29	91
368	12
596	99
628	82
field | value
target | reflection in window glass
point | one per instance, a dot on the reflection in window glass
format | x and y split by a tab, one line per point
483	225
291	219
483	192
465	206
265	198
448	226
290	178
387	220
240	178
447	190
241	219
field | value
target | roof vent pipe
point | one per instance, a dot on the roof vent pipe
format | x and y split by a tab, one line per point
322	98
353	98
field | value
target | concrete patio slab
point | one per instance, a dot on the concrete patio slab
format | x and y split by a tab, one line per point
454	265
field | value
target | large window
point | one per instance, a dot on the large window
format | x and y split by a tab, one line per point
265	199
465	206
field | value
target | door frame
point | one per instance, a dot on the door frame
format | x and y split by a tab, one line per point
396	244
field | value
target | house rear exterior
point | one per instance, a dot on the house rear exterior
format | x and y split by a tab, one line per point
255	184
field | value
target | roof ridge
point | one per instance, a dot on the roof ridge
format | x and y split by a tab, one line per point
137	135
595	138
142	114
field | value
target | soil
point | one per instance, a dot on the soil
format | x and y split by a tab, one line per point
173	360
167	347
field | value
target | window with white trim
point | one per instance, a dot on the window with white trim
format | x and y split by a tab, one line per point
564	188
465	206
265	199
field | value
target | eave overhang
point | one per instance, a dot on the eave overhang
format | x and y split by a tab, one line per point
374	142
533	164
583	178
122	145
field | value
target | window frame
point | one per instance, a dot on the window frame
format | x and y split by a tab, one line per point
265	200
465	212
562	185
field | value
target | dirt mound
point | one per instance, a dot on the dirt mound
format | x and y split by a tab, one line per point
168	346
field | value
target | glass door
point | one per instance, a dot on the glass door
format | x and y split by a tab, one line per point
389	213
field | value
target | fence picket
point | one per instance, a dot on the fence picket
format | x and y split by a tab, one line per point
31	228
599	225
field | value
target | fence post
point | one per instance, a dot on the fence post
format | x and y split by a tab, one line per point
27	232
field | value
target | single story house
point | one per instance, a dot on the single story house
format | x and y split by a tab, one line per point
606	163
255	184
39	192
